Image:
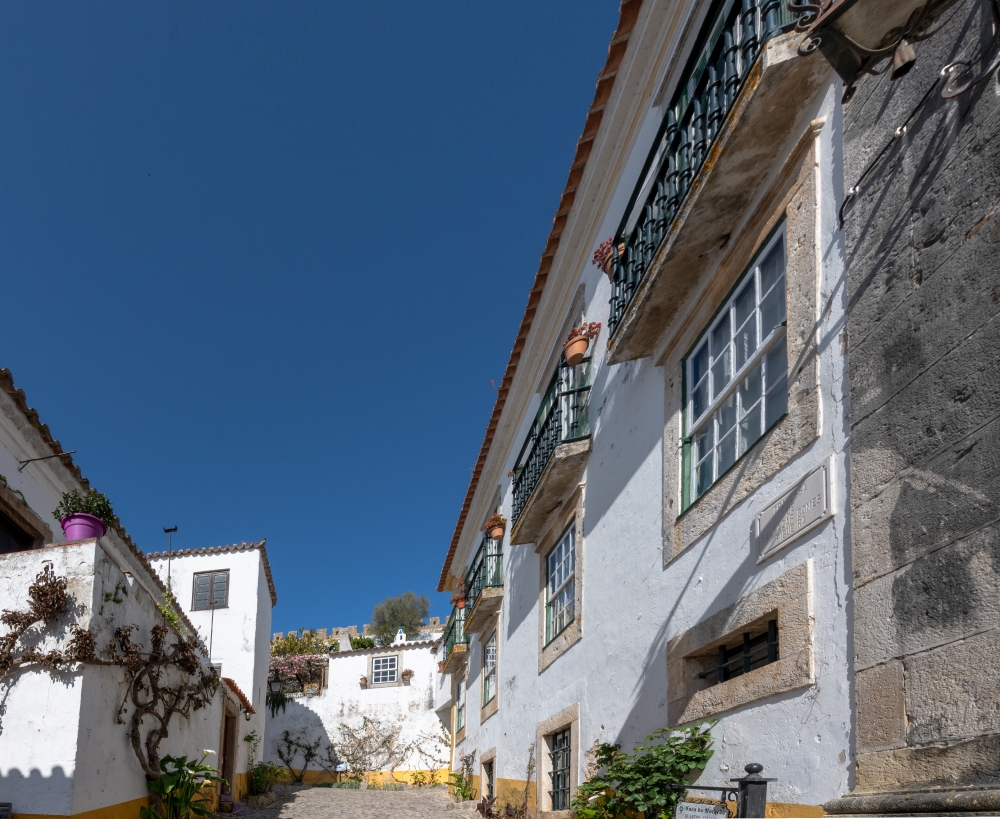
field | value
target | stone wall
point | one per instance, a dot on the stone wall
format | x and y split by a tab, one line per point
923	334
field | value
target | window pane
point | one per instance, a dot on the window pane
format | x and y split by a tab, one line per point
749	431
726	415
722	372
703	476
776	361
750	389
746	342
773	267
727	452
745	302
777	401
699	363
699	400
702	443
220	584
772	309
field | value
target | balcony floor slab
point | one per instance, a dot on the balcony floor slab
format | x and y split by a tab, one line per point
558	480
486	607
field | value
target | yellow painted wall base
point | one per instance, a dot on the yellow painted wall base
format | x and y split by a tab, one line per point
789	810
123	810
318	777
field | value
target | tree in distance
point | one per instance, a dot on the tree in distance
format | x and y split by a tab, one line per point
406	611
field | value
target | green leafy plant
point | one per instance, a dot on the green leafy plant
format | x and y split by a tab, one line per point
636	781
169	612
178	792
309	642
461	787
406	611
93	503
362	642
418	779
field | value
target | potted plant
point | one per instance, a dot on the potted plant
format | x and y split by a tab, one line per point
575	346
458	597
84	516
495	526
604	257
406	674
364	682
441	665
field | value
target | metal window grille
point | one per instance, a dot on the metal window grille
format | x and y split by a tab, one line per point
755	651
384	669
486	570
561	418
488	776
490	669
454	631
560	770
736	380
560	608
211	590
729	43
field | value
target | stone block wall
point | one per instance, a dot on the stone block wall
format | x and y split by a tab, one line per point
923	338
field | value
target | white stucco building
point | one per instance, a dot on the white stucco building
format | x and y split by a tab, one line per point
676	545
62	751
228	592
395	688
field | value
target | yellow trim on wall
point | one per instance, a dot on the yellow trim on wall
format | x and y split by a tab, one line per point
123	810
789	810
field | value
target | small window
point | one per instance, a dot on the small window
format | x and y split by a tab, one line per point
460	704
754	651
384	669
211	590
488	776
12	539
490	669
560	770
736	385
560	592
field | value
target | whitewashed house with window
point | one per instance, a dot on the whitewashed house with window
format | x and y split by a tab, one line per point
391	692
675	547
228	592
62	750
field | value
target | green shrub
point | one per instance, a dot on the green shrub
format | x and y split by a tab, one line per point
93	503
178	790
362	642
635	782
261	777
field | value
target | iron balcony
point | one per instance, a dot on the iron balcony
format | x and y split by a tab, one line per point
484	585
455	641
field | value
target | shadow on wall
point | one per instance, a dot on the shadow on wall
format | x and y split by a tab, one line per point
297	739
36	793
522	596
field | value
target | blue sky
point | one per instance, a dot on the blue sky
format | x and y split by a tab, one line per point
261	261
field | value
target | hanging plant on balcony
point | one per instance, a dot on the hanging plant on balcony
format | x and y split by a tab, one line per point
575	346
604	257
495	526
458	597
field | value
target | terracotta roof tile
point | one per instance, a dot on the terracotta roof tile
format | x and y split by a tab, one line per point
232	686
235	547
628	13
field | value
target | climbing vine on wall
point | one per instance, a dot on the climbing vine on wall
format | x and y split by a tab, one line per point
163	681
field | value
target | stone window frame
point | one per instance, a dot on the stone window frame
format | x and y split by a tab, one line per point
488	709
460	683
24	517
787	599
399	669
572	512
792	199
544	731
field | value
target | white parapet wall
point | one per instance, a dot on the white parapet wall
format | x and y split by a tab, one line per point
62	751
409	704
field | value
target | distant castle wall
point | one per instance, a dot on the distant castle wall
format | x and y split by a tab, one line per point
434	626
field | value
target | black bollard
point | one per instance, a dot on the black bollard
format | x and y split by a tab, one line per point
752	797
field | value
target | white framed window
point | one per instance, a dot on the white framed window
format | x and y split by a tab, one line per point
211	590
736	379
560	591
460	704
490	669
384	669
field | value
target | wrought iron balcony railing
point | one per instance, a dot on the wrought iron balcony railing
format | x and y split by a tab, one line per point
486	570
454	631
561	418
730	42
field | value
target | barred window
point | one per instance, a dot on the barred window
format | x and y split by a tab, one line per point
211	590
560	770
490	669
460	704
736	384
490	785
384	669
755	650
560	608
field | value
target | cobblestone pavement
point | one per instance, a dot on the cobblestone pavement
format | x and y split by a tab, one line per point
337	803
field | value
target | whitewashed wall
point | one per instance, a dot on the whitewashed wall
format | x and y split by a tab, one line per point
61	751
411	706
632	604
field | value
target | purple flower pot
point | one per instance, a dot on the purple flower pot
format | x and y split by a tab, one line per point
81	526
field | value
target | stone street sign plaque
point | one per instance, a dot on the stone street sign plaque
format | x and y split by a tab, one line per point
689	810
6	808
794	513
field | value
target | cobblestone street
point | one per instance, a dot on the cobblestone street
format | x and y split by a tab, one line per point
336	803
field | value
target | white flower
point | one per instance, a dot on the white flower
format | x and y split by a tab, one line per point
210	751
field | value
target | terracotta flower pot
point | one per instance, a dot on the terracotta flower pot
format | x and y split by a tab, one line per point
496	532
460	604
575	349
608	267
